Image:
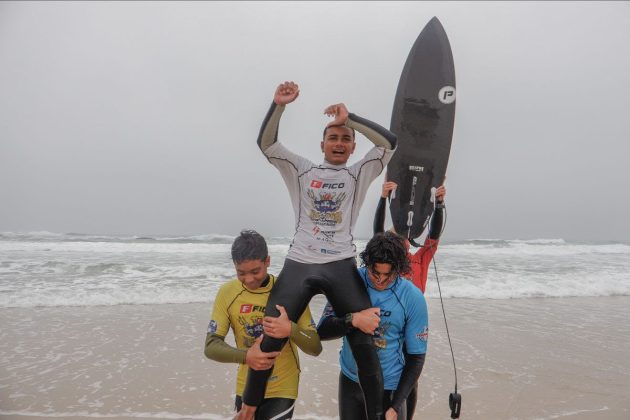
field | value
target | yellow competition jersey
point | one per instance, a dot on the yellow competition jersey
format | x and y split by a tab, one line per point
243	310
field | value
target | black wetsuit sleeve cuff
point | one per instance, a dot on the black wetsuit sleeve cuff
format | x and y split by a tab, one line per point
332	327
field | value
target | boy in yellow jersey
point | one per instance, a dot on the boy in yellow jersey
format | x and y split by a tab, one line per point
240	305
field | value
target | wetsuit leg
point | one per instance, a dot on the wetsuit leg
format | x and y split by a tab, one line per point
350	396
292	292
346	292
271	408
412	398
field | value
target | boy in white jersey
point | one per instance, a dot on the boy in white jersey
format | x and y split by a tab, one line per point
326	199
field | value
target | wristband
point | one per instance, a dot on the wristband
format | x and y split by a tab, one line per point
348	320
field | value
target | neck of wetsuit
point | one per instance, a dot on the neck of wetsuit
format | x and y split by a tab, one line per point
332	165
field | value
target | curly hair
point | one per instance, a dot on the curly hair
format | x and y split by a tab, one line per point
249	245
386	247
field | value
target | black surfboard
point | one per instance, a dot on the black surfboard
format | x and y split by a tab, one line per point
422	118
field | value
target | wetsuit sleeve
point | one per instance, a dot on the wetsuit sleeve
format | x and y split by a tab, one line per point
437	223
379	216
409	377
331	326
220	351
216	348
268	134
304	334
373	163
377	134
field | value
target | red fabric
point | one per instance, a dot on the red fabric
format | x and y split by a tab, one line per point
420	261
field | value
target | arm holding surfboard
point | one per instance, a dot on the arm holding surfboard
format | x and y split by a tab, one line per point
437	222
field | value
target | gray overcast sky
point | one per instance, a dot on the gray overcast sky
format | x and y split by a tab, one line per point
140	118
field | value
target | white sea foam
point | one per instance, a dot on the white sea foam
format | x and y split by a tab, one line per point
48	269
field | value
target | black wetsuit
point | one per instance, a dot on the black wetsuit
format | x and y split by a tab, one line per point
351	400
419	266
326	199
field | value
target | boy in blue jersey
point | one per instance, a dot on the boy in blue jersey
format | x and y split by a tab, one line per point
398	320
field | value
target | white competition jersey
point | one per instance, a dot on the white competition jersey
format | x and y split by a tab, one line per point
326	200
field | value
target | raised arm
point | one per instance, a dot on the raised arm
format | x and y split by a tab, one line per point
379	216
377	134
286	93
437	221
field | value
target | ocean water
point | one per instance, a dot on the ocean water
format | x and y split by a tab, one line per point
42	269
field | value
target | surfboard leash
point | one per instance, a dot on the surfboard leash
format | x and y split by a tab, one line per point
454	398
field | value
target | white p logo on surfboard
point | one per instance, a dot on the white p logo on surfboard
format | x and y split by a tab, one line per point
446	95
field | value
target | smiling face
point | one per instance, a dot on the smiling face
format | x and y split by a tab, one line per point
338	144
381	275
252	273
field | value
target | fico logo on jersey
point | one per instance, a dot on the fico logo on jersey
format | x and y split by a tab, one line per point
247	308
324	185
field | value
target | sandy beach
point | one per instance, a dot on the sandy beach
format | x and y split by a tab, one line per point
517	359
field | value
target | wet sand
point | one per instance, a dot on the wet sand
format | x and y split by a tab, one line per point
566	358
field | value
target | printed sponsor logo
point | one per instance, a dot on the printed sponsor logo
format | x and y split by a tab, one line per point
253	328
327	186
379	336
329	251
328	234
446	95
212	327
325	211
415	168
325	235
424	335
247	308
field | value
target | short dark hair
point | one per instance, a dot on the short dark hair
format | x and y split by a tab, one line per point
386	247
249	245
338	125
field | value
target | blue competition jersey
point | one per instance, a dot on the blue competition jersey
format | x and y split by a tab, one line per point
404	321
